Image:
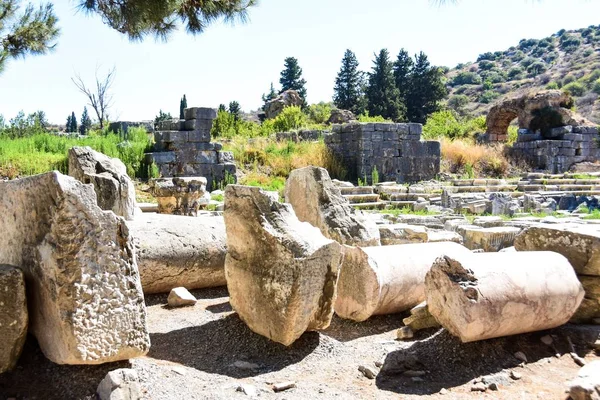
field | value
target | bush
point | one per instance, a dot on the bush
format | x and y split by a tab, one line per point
488	96
515	73
526	62
568	79
365	117
494	76
552	85
550	57
486	65
472	160
290	118
518	56
536	68
596	87
448	124
486	56
526	44
466	78
458	102
569	43
319	113
575	88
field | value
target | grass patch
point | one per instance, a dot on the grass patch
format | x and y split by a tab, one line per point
407	211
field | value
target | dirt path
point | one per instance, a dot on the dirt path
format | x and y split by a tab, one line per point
207	352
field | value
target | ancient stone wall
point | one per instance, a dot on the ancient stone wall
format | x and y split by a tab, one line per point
567	146
183	148
396	150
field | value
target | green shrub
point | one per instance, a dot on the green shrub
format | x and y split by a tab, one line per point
487	85
552	85
488	96
486	65
374	176
290	118
319	113
365	117
536	68
569	43
466	78
515	73
447	124
596	87
526	62
458	102
575	88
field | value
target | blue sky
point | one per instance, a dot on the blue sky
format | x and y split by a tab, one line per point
239	62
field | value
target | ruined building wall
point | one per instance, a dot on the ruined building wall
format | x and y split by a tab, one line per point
396	150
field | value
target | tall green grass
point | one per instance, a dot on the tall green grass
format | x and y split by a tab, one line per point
45	152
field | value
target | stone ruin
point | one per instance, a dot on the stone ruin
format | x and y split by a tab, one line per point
183	149
551	136
395	150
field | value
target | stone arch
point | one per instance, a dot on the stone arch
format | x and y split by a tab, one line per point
498	120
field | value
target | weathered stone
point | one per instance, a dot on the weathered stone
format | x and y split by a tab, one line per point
281	273
85	300
490	239
444	236
402	234
486	295
581	245
180	297
199	113
420	318
114	190
590	306
178	196
341	116
386	279
177	251
587	384
286	99
13	316
318	201
120	384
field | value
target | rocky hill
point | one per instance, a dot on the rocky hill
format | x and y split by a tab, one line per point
568	60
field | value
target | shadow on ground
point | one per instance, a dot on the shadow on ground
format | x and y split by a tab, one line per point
207	293
35	377
344	330
450	363
216	345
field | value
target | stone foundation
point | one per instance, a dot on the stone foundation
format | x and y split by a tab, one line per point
396	150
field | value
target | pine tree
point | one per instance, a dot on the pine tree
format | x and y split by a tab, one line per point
182	106
402	74
348	89
291	78
68	125
73	127
31	31
86	122
235	110
269	96
425	91
382	94
222	107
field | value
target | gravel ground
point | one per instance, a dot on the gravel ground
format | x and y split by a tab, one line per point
207	352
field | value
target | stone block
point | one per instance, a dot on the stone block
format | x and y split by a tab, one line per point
415	129
199	136
174	136
206	157
199	113
203	125
13	316
225	157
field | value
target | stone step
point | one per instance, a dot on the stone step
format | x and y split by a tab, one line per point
148	207
379	205
391	189
480	189
361	198
558	188
478	182
403	204
411	196
356	190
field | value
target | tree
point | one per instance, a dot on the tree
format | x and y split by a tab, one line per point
39	120
100	99
73	127
291	78
86	122
235	110
182	106
138	18
31	32
68	124
269	96
162	116
348	91
425	91
382	94
402	73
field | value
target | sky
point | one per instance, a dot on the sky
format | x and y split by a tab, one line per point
239	62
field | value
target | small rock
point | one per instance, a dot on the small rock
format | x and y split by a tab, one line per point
444	391
280	387
478	387
405	333
380	363
245	365
493	386
120	384
519	355
547	340
417	379
515	375
368	371
578	360
412	373
179	370
247	389
180	297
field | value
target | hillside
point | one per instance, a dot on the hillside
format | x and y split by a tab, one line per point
568	60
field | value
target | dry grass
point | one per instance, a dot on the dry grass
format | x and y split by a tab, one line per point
474	160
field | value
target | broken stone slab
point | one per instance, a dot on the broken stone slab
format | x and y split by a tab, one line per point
444	236
13	316
487	295
490	239
281	272
317	200
180	297
590	306
120	384
386	279
402	234
581	245
179	195
85	301
587	384
114	189
420	318
175	251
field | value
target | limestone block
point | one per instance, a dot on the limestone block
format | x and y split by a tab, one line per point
120	384
281	272
420	318
317	200
590	306
199	136
175	251
487	295
13	316
204	125
180	297
587	384
114	189
444	236
85	304
179	195
490	239
199	113
386	279
581	245
402	234
225	157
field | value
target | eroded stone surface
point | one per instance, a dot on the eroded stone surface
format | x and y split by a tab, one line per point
281	273
13	316
587	384
317	200
86	303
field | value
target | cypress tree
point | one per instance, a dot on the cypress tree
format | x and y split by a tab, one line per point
86	122
382	95
425	91
234	109
73	122
291	78
348	89
68	125
402	74
182	106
